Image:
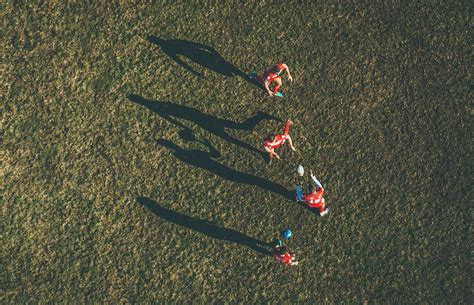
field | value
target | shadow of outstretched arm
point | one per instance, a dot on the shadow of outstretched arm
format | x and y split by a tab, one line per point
213	152
205	160
204	226
202	54
217	126
173	48
183	64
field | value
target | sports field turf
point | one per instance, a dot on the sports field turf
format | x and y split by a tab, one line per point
132	174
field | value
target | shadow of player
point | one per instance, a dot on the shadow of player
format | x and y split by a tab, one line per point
199	53
205	160
217	126
205	227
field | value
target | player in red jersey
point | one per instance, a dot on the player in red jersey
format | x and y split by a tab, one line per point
273	74
315	198
284	256
278	140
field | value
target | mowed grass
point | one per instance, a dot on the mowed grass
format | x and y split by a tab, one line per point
382	113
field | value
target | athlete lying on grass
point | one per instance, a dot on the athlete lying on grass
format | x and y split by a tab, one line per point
284	256
274	141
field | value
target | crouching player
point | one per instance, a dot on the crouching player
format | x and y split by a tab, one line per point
284	256
272	74
275	141
285	235
315	198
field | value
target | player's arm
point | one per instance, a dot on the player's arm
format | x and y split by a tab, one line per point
272	152
275	142
269	68
265	84
316	181
290	78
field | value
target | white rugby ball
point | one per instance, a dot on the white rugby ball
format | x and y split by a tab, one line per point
300	170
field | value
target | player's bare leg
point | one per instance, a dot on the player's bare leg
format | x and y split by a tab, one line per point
322	209
290	142
287	126
278	83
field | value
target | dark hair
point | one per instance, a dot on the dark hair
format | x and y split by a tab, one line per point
276	69
314	189
270	137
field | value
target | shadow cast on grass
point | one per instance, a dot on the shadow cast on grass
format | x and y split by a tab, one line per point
205	160
205	227
201	54
217	126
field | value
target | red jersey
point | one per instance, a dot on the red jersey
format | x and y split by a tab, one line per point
285	258
269	76
316	199
279	140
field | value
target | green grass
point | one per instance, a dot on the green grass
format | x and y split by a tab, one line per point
381	105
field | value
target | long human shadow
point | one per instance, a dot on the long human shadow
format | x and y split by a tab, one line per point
205	227
201	54
217	126
205	160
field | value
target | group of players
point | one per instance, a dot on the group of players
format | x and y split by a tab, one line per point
313	198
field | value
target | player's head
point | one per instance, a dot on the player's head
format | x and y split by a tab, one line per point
315	189
286	234
276	69
270	137
156	40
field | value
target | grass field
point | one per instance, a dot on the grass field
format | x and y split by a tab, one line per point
132	174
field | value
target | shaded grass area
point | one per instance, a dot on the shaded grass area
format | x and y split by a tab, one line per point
105	130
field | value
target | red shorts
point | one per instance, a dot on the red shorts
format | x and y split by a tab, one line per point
270	78
320	205
280	138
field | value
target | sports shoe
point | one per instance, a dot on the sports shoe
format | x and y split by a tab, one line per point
324	212
294	263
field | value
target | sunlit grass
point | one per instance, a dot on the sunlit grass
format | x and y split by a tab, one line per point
381	112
